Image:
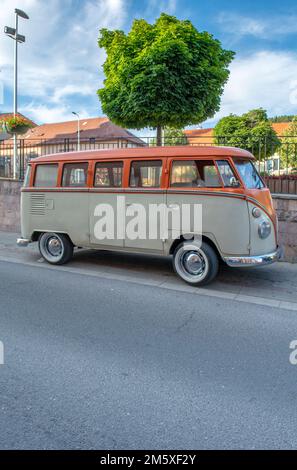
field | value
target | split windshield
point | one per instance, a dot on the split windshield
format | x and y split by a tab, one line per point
249	174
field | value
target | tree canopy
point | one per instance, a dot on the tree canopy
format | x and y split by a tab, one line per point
162	74
252	131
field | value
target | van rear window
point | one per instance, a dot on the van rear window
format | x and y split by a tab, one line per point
108	174
75	175
146	174
46	176
27	176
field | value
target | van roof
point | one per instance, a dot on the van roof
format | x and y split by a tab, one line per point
148	152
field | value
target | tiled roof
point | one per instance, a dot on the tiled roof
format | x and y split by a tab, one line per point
199	132
200	136
98	128
280	127
206	135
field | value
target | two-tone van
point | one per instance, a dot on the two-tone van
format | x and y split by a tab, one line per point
66	196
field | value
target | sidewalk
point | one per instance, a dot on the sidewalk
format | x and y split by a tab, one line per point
277	282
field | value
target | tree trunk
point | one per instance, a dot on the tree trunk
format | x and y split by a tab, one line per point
159	136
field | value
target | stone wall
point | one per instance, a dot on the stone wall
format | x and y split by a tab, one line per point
285	205
286	209
10	205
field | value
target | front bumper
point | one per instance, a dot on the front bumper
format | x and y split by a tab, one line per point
23	241
245	261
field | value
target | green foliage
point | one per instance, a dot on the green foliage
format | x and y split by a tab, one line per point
174	136
283	118
252	131
162	74
16	124
289	145
171	136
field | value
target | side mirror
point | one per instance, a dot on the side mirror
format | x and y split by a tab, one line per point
234	182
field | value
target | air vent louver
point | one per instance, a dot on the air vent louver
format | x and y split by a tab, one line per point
38	204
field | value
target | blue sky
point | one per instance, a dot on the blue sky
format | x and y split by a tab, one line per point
60	64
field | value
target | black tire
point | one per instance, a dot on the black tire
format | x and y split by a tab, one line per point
204	259
55	248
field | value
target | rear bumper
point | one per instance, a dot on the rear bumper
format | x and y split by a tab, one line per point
23	241
261	260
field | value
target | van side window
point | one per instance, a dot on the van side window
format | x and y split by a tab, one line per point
194	173
227	174
46	176
75	174
146	174
108	174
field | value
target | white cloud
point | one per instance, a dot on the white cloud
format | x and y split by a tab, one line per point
60	61
42	113
264	79
237	25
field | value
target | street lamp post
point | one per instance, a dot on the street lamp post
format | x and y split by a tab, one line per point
78	129
18	38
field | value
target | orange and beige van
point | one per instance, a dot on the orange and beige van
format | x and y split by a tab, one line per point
62	193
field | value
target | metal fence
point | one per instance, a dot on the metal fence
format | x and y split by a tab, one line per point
276	164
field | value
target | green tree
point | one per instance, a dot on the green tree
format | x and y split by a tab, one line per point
289	145
162	74
282	118
171	136
252	131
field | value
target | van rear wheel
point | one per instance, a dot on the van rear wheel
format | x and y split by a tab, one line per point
196	265
55	248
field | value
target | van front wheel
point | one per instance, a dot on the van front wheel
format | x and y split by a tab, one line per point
197	265
55	248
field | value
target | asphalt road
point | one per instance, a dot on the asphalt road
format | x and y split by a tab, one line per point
94	363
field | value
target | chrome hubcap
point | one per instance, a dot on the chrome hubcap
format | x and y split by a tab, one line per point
54	246
193	263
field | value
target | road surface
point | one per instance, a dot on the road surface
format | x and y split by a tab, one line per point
96	362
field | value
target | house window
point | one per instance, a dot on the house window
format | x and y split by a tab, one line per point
146	174
46	176
108	175
194	173
75	174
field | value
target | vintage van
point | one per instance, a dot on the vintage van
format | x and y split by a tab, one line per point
63	197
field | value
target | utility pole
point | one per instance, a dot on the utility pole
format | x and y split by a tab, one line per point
78	129
18	38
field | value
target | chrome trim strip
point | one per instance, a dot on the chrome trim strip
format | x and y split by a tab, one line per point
245	261
198	192
23	241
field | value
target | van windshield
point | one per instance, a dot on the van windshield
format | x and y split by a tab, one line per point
249	174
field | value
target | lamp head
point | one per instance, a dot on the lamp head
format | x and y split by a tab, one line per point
21	13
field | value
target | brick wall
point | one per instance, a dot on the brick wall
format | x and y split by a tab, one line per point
285	205
286	209
10	205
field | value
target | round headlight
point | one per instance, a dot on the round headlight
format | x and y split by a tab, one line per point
256	212
264	229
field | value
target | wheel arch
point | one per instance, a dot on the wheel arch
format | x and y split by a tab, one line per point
36	234
205	239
